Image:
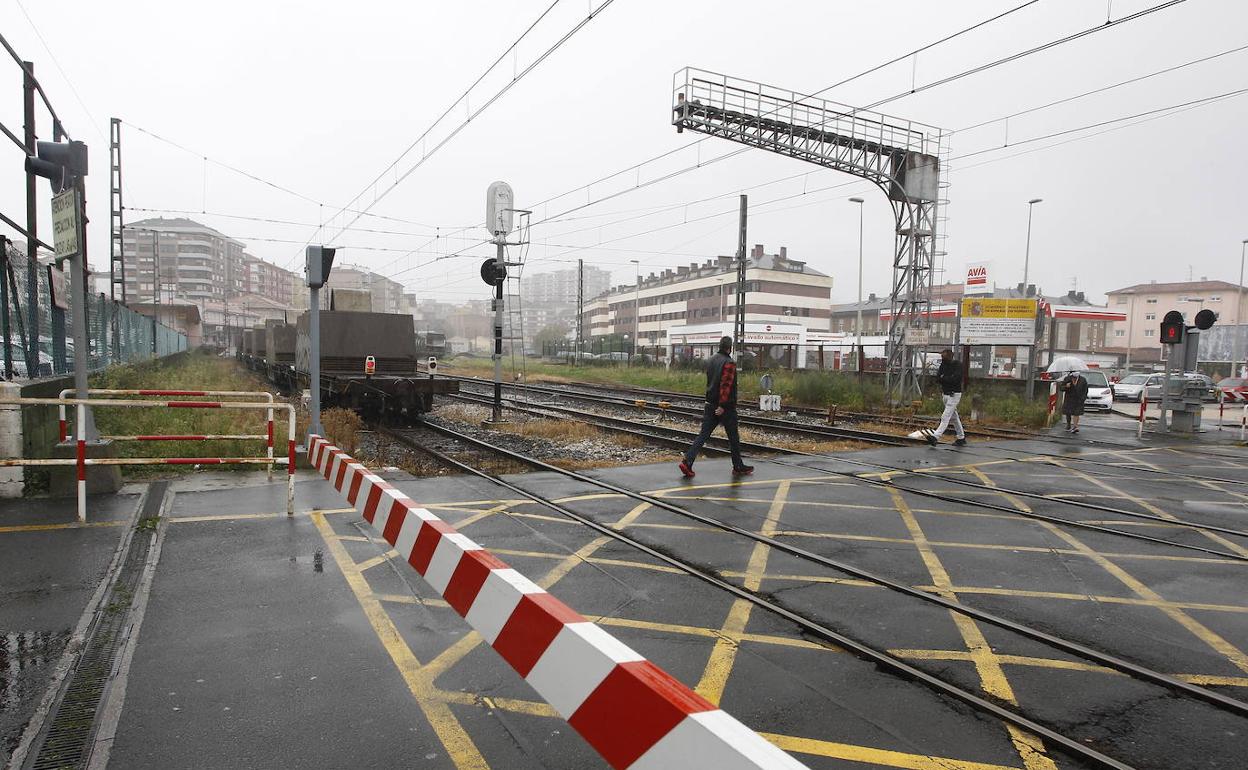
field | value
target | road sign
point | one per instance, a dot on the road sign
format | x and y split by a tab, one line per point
65	223
992	321
56	281
917	337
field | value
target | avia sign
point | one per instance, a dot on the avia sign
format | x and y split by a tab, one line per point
978	278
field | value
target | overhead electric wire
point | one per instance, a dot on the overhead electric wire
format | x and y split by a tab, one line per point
593	13
1103	89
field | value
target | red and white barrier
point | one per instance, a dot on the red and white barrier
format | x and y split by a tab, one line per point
81	461
1143	408
263	395
629	710
1052	402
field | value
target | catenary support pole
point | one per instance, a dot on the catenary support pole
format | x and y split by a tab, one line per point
738	332
314	360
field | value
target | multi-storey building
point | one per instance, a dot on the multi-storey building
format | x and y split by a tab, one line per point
268	280
1144	305
166	258
779	290
387	296
559	287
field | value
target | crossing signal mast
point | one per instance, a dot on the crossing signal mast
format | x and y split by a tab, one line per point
903	158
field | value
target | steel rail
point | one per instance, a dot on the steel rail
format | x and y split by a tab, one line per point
1075	648
862	650
1014	511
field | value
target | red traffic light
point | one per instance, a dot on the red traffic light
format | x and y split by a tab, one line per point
1171	332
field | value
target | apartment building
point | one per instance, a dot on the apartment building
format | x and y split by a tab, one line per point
779	290
1145	304
167	258
387	296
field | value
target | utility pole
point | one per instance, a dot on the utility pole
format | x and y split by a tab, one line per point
738	333
1239	311
858	321
1031	349
580	310
32	225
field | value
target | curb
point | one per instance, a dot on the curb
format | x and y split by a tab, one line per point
634	714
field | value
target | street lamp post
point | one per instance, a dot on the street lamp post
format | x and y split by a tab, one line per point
1239	310
1031	350
636	307
858	320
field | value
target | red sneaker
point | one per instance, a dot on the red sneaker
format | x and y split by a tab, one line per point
686	470
744	470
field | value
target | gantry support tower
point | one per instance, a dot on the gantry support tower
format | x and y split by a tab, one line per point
903	158
116	215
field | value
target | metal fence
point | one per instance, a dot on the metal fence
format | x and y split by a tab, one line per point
36	342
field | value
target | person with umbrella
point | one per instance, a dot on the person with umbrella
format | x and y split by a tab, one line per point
1075	387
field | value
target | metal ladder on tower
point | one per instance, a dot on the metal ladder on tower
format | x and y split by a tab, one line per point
116	223
513	304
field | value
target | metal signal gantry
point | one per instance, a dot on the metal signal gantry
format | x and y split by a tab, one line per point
903	158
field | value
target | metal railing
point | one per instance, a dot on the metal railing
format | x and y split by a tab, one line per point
63	425
81	461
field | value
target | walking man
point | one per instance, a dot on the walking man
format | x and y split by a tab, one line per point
721	409
949	375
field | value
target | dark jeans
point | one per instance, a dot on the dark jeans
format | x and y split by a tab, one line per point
709	420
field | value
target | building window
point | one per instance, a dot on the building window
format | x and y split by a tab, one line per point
1153	301
1150	316
1149	332
1119	333
1120	300
1215	298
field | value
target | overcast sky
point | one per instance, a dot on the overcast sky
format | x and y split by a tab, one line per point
320	98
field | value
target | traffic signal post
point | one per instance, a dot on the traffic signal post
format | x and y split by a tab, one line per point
64	165
320	260
1182	402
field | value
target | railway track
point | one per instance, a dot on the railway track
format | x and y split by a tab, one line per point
888	473
1076	746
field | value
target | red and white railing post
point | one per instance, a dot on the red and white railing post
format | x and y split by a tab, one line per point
1052	403
80	412
1139	433
1221	407
80	461
262	394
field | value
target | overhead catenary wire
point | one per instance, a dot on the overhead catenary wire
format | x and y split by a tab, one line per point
593	13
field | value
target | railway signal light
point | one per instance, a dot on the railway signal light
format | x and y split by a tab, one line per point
432	366
320	261
1172	328
370	365
493	273
61	163
1205	319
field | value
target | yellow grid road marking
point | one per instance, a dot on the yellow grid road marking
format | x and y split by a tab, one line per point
1197	629
991	675
724	653
872	756
458	744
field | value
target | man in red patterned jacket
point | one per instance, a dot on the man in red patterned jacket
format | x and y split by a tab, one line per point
721	409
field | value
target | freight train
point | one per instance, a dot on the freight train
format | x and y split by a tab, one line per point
369	363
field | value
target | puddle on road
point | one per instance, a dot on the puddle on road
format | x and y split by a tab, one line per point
21	651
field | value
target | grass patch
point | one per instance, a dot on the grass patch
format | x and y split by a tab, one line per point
193	371
999	403
552	430
148	524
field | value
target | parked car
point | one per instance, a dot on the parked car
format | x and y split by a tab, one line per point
1130	388
1100	394
1152	388
1234	390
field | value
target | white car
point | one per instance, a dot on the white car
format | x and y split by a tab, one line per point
1100	394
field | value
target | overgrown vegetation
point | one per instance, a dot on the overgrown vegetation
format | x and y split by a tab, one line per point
342	428
192	371
999	405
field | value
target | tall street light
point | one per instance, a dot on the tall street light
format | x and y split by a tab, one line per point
636	307
1031	350
858	321
1239	309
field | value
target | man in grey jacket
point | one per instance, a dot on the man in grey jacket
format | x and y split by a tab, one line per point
721	409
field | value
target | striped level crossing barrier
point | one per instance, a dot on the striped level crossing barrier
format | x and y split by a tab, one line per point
630	711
